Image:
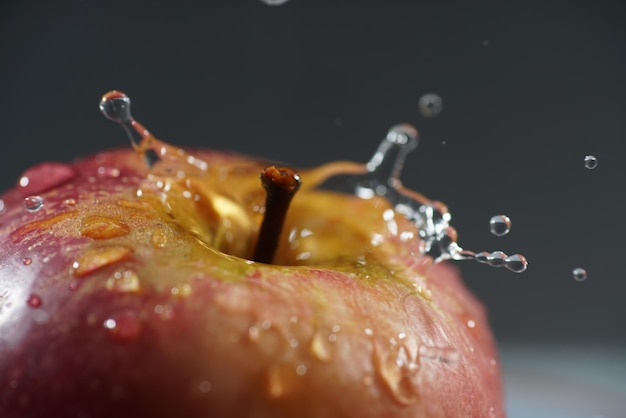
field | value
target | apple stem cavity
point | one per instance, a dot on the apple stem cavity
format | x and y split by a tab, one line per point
281	184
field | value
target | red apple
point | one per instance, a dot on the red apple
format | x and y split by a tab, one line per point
130	293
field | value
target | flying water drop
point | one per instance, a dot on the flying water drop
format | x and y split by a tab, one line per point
500	225
579	274
517	263
591	162
430	105
274	2
33	203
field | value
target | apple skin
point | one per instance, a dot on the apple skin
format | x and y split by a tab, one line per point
111	307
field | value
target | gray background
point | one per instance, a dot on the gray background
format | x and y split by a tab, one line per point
529	88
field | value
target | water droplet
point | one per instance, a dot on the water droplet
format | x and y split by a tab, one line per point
320	348
110	172
579	274
471	324
33	203
69	202
34	301
126	281
159	238
95	258
496	259
301	369
27	261
115	105
398	368
516	263
430	105
500	225
102	227
591	162
204	386
253	333
482	257
123	326
280	380
274	2
2	206
165	312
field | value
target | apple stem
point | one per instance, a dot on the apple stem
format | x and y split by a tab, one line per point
281	184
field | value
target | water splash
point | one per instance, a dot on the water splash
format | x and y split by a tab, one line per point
166	159
381	177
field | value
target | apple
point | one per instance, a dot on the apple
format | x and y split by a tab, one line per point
182	288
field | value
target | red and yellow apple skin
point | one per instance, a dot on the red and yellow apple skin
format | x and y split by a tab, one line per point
116	302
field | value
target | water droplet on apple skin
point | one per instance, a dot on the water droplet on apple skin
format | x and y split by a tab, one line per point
34	301
123	326
397	368
33	203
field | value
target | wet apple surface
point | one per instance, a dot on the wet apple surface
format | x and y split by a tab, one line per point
131	291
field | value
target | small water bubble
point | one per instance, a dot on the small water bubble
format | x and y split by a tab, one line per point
274	2
500	225
204	386
579	274
34	301
33	203
517	263
430	105
110	172
2	206
123	326
27	261
591	162
301	369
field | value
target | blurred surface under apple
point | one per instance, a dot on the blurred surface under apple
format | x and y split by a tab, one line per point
565	381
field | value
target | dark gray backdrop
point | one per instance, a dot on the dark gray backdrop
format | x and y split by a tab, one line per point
529	88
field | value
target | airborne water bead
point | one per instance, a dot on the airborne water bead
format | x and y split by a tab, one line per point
579	274
500	225
430	105
591	162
